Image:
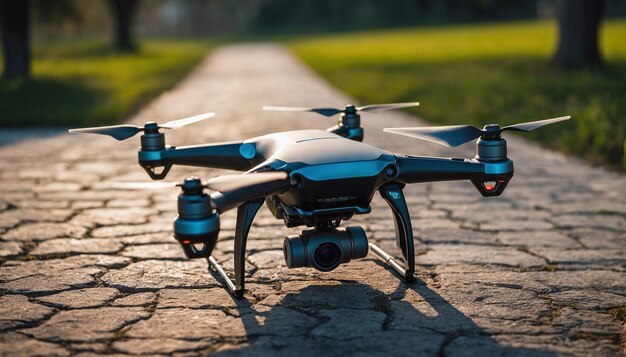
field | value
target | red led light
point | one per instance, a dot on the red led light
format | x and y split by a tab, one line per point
489	185
186	241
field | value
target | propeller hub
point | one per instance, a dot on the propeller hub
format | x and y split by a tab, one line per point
350	118
491	127
192	185
350	109
151	127
491	131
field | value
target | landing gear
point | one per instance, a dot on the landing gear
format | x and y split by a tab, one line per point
245	215
392	194
354	236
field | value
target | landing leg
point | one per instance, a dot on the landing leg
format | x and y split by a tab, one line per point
245	215
392	194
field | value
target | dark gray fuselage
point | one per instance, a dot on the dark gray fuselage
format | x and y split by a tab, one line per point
332	173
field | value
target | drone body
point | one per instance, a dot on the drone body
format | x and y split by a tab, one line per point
314	178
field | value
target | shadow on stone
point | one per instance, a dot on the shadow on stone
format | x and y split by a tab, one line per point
351	318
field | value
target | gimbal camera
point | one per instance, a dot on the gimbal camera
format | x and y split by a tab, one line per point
316	179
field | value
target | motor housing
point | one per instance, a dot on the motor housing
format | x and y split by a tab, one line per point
197	222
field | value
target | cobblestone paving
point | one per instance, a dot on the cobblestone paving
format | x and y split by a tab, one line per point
87	270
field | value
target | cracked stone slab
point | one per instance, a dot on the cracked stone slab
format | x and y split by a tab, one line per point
154	251
43	231
585	322
347	324
195	298
557	345
541	282
124	203
9	222
77	246
58	187
267	259
471	345
79	205
188	324
336	295
150	238
549	238
89	348
584	299
133	230
422	310
159	346
516	225
452	236
81	298
16	311
15	344
160	274
10	249
112	216
78	325
582	256
36	215
596	220
449	254
595	238
41	204
55	275
138	299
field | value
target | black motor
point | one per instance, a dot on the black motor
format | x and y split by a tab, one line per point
197	222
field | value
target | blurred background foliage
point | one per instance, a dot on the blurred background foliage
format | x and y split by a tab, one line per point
466	61
484	73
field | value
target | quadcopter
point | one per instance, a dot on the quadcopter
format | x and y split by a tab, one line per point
315	179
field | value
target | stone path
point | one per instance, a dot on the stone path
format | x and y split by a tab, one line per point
90	270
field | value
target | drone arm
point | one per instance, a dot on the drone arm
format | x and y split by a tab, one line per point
490	178
230	155
426	169
221	155
268	184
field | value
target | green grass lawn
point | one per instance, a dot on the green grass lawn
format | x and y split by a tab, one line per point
88	83
479	74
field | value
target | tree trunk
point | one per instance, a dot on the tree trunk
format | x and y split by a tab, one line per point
579	21
123	12
14	16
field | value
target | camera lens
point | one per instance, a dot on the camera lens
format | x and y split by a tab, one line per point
327	255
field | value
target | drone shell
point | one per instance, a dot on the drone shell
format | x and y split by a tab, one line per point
327	170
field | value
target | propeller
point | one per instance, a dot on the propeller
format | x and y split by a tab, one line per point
349	109
122	132
455	135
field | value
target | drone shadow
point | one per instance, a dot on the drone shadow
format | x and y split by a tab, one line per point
351	318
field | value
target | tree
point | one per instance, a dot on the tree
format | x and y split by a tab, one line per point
579	21
124	13
14	16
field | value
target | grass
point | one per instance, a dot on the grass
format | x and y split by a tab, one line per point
88	83
479	74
